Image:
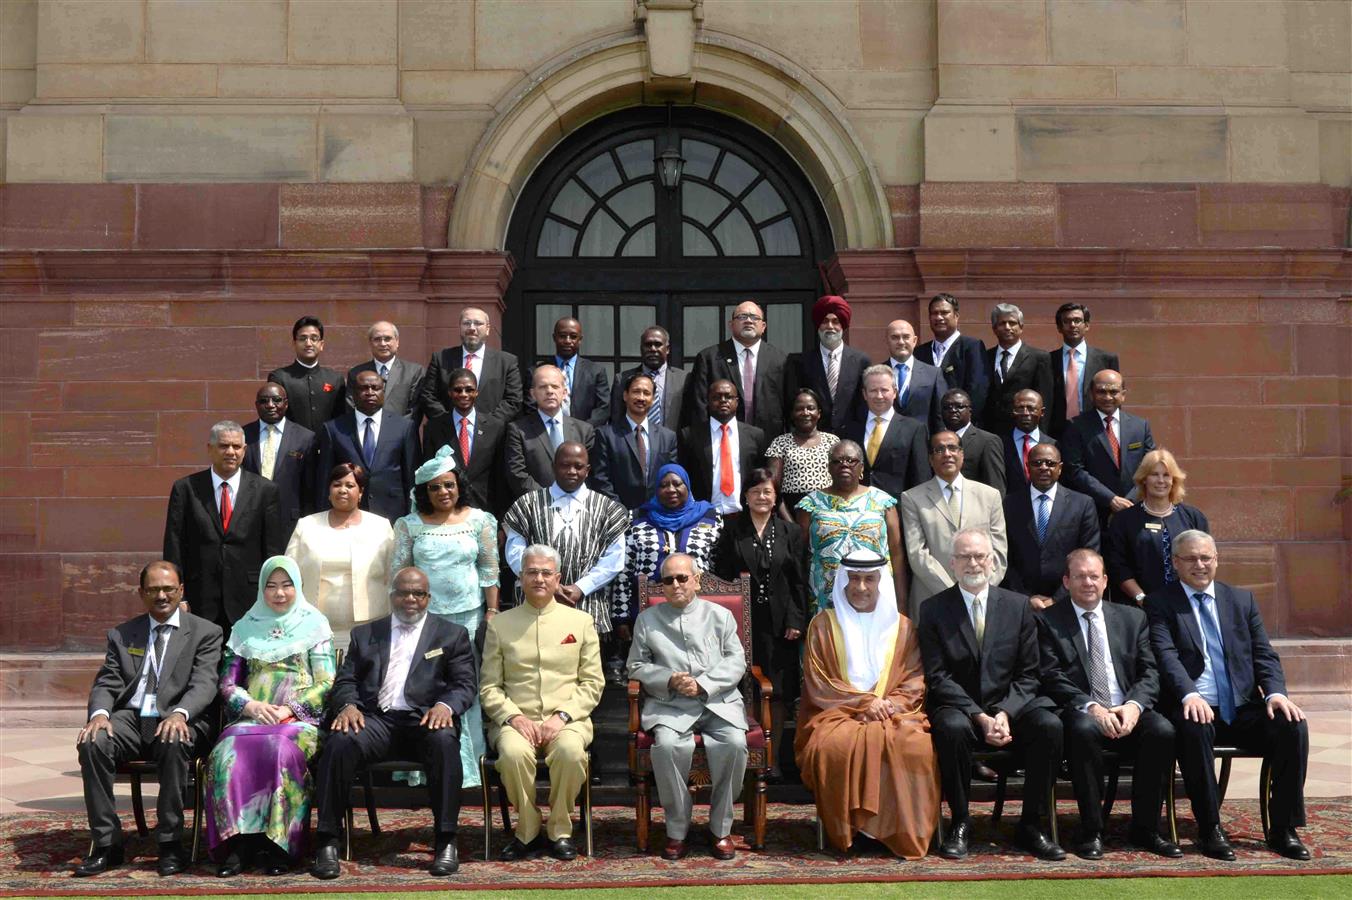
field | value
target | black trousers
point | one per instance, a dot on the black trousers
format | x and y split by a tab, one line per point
134	739
1283	743
1150	745
1037	737
391	735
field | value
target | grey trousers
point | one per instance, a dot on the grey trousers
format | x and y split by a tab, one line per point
725	746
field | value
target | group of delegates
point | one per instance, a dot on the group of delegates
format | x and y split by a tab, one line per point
781	466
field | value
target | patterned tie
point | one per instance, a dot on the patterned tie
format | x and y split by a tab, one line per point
938	352
1027	442
396	672
979	620
833	374
1167	548
1215	651
226	508
1072	385
1098	673
903	386
469	364
368	444
748	385
384	372
655	414
1113	443
875	439
554	438
152	676
725	463
464	439
269	460
568	388
642	451
954	504
1042	517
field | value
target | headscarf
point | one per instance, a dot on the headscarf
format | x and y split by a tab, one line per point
268	636
830	304
438	465
868	636
675	519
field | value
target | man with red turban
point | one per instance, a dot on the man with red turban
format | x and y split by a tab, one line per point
832	369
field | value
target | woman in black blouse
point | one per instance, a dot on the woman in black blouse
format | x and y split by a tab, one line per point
1139	545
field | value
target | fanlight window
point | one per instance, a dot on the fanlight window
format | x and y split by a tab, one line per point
728	208
606	207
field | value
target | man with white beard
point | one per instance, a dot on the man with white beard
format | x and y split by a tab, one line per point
832	369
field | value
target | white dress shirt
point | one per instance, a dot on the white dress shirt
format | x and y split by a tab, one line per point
233	481
1114	689
401	661
476	365
909	365
1012	353
725	503
566	506
389	365
456	419
970	600
138	697
941	348
1034	493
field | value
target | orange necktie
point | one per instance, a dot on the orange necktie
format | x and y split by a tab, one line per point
725	464
1113	444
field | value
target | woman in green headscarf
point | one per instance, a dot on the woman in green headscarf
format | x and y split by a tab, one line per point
275	676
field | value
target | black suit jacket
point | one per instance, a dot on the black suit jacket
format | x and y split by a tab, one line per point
293	472
313	395
1133	551
442	671
924	394
1071	524
590	400
963	366
1095	361
673	397
1177	641
840	414
1003	674
1065	656
390	475
500	392
694	450
774	385
983	458
530	459
220	568
485	475
1013	458
1031	370
403	387
188	674
903	457
1089	465
615	470
735	553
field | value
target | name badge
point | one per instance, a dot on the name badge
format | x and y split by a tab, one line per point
1136	446
432	654
136	651
148	707
1154	526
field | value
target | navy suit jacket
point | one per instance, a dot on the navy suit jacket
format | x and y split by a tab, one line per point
529	458
673	397
293	472
1065	656
443	668
1089	466
923	394
616	472
1095	361
390	475
1071	524
964	366
1013	457
903	456
485	475
590	400
1030	371
848	407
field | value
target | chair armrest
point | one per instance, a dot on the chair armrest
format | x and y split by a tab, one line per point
765	690
635	694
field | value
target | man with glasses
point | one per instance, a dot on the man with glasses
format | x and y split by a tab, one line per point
314	393
284	453
1074	365
1045	521
758	369
496	372
1222	683
983	460
403	380
690	661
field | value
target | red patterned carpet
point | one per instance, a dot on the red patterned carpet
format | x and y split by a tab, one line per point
37	852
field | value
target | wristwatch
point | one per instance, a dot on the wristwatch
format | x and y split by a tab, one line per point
1139	597
563	715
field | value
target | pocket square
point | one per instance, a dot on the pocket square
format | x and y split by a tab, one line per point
296	454
569	640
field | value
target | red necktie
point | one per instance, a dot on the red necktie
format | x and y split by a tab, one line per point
1026	441
725	464
464	440
1113	444
226	508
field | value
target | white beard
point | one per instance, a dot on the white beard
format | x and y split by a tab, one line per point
831	339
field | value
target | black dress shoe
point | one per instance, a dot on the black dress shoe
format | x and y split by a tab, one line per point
173	859
326	865
1031	838
1089	846
231	866
1286	842
100	859
445	862
1150	840
955	842
517	850
275	863
1215	844
563	849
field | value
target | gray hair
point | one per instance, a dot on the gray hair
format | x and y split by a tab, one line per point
1004	310
879	369
694	564
371	332
975	532
544	550
224	427
1192	536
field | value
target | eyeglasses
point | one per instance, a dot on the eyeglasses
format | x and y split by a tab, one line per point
954	407
156	590
846	461
309	339
946	449
397	594
675	579
1043	463
440	487
971	557
539	573
747	317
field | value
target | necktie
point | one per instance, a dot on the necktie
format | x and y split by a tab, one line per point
1042	516
903	385
1027	441
1113	443
979	620
568	389
269	460
1215	651
833	374
152	676
464	440
954	505
938	353
384	371
642	451
554	439
725	485
226	508
748	385
368	444
1072	386
875	439
1098	674
655	414
396	673
1004	365
469	363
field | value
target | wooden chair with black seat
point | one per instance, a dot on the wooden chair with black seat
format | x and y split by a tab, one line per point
734	596
136	771
490	780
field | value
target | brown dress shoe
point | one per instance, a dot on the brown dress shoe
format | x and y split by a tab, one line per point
675	849
724	848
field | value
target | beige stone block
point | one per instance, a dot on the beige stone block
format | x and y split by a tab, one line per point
989	32
1326	90
63	81
18	34
897	34
1026	83
322	82
513	35
1142	32
894	142
1237	32
481	88
344	31
216	31
443	142
970	144
211	147
1278	147
54	148
1319	35
1127	147
17	86
436	34
5	116
1335	152
91	31
911	89
1225	85
366	148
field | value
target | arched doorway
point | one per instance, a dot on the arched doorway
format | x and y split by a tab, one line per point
597	236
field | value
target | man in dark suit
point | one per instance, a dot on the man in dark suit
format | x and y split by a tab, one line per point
959	358
832	369
629	455
533	438
403	380
385	445
980	649
1223	684
1076	363
1026	434
896	457
1043	523
587	389
220	525
668	406
149	701
314	393
758	370
1012	366
1097	666
920	386
719	452
497	372
983	460
476	441
404	684
284	453
1103	446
